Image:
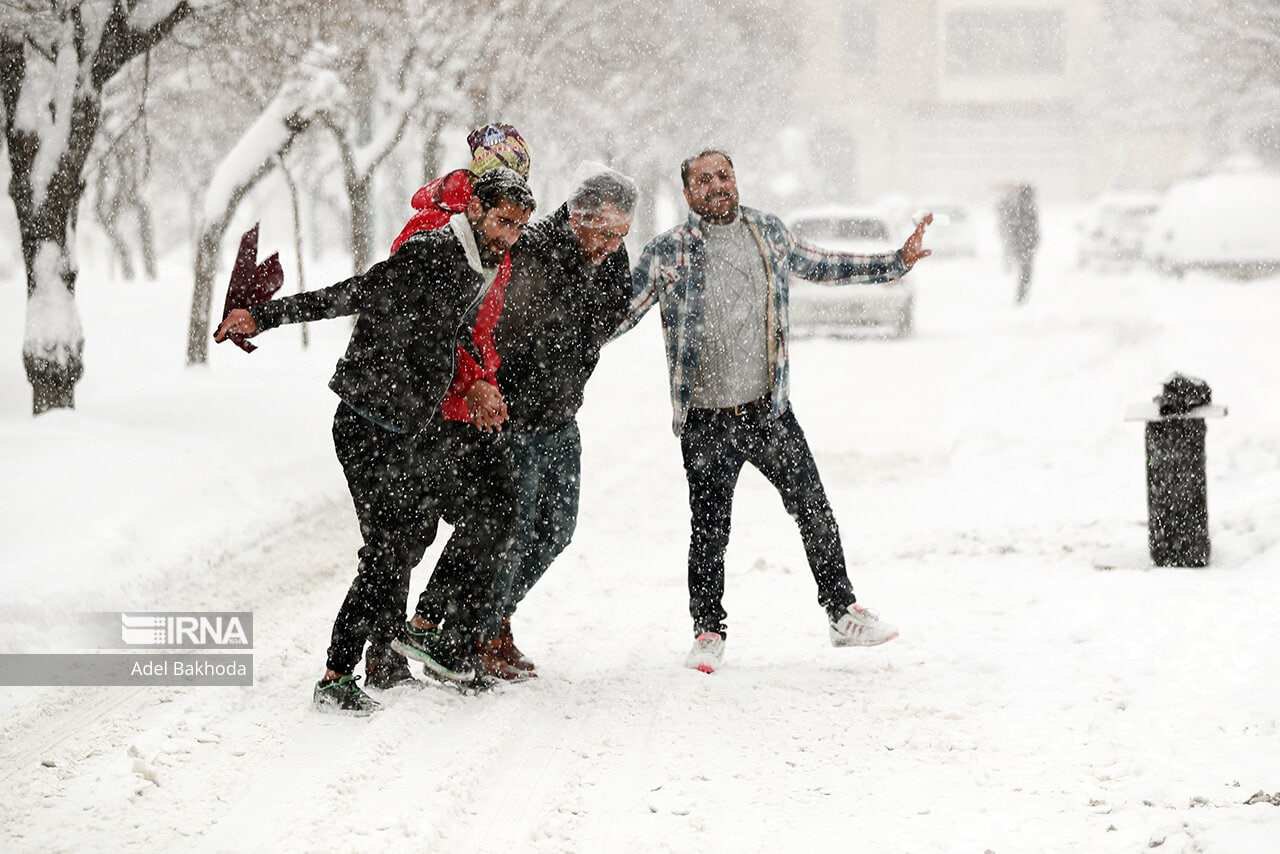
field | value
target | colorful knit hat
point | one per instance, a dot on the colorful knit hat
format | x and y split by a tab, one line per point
495	145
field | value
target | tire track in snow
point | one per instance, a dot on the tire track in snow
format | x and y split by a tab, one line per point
96	738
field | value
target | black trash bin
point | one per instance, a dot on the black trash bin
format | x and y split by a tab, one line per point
1177	490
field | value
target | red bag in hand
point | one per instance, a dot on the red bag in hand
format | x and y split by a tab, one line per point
251	283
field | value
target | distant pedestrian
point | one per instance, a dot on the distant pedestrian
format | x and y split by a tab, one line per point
1020	231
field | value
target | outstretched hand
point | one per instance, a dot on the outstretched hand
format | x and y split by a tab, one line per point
912	251
239	323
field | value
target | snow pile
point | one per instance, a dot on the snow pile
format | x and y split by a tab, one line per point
53	331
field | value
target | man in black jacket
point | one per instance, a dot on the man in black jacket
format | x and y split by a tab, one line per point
570	288
400	460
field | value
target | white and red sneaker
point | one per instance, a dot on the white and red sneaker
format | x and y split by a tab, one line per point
707	652
859	627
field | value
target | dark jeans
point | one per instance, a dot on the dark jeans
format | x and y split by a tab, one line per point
549	474
547	470
400	485
716	443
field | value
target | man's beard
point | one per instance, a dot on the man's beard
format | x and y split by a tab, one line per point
489	257
722	218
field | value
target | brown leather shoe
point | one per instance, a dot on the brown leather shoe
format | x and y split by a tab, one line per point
510	652
494	664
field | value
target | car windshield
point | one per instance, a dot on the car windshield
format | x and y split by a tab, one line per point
827	229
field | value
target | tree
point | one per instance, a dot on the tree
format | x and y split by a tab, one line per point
313	89
120	176
55	60
414	73
362	149
1212	68
623	81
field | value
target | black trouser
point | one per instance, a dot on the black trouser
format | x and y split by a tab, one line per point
400	485
716	443
546	474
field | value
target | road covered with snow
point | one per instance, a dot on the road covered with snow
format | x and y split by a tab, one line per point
1050	690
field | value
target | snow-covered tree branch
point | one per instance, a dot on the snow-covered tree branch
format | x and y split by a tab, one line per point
312	90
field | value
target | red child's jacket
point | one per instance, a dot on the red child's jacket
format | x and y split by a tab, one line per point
434	204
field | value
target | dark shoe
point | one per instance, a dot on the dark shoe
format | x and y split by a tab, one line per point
343	696
493	663
385	668
441	655
510	652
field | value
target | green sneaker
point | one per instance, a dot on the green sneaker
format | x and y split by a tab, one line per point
443	657
343	696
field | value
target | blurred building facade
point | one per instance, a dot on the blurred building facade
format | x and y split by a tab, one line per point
958	98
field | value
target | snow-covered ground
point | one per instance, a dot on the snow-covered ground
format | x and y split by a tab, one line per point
1050	691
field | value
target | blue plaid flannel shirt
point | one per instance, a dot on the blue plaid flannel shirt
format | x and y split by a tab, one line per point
671	272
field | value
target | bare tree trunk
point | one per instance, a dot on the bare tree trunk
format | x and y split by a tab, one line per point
357	186
431	148
267	139
107	210
361	221
208	251
146	232
119	248
206	267
53	346
297	240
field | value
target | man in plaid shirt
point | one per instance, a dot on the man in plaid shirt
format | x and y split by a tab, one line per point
720	281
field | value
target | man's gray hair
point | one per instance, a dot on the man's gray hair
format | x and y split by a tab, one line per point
605	187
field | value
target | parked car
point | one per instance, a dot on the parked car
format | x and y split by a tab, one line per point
1226	222
832	308
1113	231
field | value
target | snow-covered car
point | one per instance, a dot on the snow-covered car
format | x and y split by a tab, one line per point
837	309
1226	222
953	233
1113	231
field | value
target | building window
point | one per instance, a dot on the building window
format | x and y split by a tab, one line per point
860	35
1005	42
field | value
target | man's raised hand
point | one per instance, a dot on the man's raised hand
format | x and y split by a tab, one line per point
912	251
239	323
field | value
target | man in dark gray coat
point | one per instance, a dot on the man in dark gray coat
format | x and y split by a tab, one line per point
570	289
